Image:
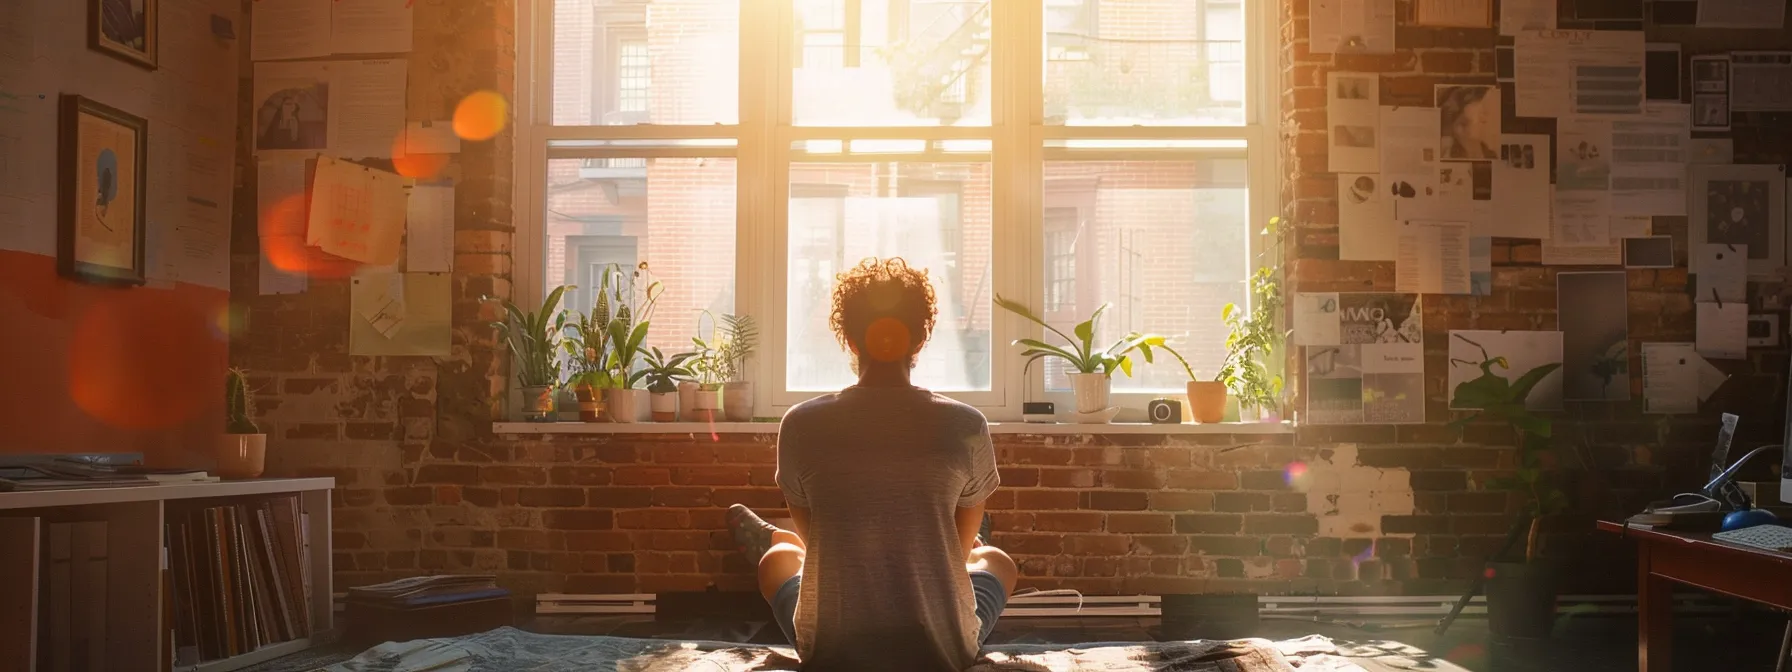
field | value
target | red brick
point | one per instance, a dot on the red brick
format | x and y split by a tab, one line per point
1036	500
1208	523
653	519
1140	523
680	496
1149	544
513	476
1169	500
1067	522
1067	478
1046	455
1017	477
598	541
684	455
1280	524
643	476
579	476
410	496
454	474
615	497
711	475
680	541
755	498
525	540
577	519
1030	544
1200	480
1097	544
1132	480
1105	500
550	496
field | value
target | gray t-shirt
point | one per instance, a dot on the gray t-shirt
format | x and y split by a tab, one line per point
882	471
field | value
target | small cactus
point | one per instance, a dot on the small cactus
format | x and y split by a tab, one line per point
238	405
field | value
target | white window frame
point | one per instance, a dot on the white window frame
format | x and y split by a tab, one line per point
764	133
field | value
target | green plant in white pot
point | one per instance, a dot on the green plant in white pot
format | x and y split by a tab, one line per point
533	339
664	375
242	451
626	332
1092	367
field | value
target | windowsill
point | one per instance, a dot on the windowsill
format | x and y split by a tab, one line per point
543	428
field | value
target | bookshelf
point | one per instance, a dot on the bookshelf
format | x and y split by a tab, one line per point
136	631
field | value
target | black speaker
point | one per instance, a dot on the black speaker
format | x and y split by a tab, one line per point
1164	411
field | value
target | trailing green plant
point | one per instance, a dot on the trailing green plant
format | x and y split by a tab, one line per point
533	338
239	405
663	374
1496	398
723	357
1251	371
1081	353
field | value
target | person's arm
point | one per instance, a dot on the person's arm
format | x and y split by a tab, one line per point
799	518
983	481
789	474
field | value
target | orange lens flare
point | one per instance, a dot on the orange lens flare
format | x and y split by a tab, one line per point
481	116
416	166
888	340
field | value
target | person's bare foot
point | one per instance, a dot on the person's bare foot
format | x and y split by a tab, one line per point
751	533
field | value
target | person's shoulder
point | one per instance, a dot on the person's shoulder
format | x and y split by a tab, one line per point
811	409
959	413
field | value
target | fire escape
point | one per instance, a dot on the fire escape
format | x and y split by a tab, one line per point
937	66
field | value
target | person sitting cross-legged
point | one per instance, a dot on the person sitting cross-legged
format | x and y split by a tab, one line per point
886	569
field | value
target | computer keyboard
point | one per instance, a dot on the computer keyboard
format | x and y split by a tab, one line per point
1770	537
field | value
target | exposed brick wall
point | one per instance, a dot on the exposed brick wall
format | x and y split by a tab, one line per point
425	486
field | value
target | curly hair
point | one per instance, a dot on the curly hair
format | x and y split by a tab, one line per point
884	308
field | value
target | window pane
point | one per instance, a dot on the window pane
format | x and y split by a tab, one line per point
675	214
1164	243
934	215
1127	62
891	63
621	62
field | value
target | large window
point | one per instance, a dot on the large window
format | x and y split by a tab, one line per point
1068	154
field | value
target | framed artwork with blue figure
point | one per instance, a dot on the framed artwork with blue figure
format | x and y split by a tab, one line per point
102	183
124	29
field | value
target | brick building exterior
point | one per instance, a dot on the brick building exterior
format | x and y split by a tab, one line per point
425	485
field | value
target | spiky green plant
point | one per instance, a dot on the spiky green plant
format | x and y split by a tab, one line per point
665	373
1081	352
239	406
723	356
533	337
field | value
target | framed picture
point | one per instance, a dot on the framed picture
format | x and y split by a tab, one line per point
125	29
104	159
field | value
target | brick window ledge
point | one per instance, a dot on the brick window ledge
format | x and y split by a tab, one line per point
540	428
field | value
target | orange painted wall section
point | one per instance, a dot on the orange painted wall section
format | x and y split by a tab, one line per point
88	368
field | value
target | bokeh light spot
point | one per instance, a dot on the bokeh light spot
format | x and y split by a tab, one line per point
888	340
481	116
416	166
1295	474
133	360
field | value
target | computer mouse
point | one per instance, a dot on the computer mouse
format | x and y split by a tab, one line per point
1737	520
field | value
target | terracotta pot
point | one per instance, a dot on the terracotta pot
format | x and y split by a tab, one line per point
707	403
538	403
1091	391
737	401
241	455
665	406
1207	401
687	401
625	405
591	404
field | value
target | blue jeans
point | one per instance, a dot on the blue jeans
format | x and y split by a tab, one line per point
991	600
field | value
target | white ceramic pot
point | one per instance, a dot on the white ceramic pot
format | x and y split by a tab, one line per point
625	405
1091	391
687	401
665	406
737	401
241	455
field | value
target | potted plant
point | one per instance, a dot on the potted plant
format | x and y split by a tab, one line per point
707	368
242	451
1255	336
533	338
664	375
1092	379
740	336
626	331
1521	592
1206	398
587	345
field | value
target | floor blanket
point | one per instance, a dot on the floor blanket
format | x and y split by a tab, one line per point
512	649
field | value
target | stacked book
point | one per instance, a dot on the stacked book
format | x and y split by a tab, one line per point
422	591
240	578
67	474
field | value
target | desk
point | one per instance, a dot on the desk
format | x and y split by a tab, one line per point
1665	557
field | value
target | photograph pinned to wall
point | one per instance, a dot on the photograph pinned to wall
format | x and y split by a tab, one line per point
1468	122
1710	93
1377	383
1357	318
1521	185
1488	367
1316	320
1651	252
1741	205
1583	156
1465	192
1517	16
292	107
1593	313
1453	13
104	162
1334	384
1758	80
1352	26
1353	112
1365	219
1764	330
123	29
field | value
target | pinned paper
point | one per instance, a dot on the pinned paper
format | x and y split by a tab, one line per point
400	314
430	137
1432	258
357	212
1670	378
1722	272
1710	378
429	237
1365	219
1480	266
1723	330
